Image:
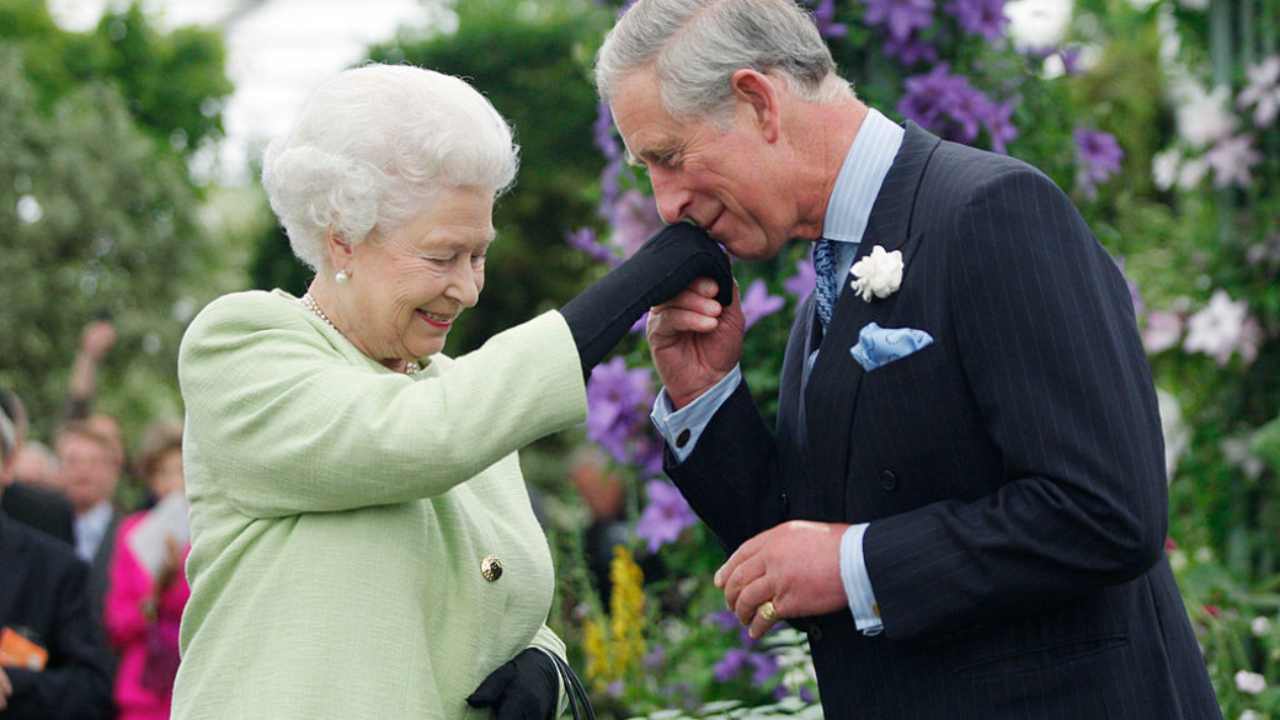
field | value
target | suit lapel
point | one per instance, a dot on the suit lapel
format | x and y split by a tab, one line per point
832	391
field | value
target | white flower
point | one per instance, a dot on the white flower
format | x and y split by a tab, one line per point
1219	328
1176	434
1164	168
1263	91
878	274
1250	715
1260	626
1163	331
1203	117
1231	159
1193	171
1204	555
1250	682
1177	561
1235	450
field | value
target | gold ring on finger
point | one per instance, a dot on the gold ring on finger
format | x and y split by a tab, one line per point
767	611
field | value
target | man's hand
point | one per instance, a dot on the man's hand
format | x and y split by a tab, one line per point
694	341
6	690
97	339
796	565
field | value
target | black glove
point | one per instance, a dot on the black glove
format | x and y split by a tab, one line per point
524	688
664	266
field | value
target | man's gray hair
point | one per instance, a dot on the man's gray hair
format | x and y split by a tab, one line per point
373	146
695	46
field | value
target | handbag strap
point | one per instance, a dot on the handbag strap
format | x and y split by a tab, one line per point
579	701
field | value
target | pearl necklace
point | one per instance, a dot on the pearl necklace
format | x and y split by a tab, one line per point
310	303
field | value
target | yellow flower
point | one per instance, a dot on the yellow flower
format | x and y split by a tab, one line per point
612	655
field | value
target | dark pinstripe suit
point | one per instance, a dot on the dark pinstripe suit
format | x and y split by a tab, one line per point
1012	472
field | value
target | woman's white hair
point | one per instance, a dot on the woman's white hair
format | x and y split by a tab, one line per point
695	46
371	149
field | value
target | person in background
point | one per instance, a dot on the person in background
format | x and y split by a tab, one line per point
97	339
36	465
90	472
32	505
53	665
143	610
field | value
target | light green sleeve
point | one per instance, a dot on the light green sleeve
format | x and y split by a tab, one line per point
293	426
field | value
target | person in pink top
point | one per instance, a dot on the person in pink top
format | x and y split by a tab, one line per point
144	608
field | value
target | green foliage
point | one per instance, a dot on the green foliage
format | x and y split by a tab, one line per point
100	209
174	83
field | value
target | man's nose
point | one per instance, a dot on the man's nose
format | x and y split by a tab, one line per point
672	198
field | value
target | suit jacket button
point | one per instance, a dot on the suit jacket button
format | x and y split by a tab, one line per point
682	439
888	481
491	568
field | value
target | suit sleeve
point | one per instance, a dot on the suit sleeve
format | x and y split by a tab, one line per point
291	427
1048	342
733	479
77	681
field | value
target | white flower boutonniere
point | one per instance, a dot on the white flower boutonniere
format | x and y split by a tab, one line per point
878	274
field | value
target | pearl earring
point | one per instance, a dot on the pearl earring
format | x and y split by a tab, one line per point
342	277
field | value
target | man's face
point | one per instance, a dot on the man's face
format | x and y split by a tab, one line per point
725	180
88	471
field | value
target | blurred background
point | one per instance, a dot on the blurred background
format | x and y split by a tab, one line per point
132	136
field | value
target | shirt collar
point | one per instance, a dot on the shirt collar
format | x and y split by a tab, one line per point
863	172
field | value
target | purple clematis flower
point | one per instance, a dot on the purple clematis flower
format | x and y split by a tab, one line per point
1099	155
802	283
910	50
758	304
666	516
980	17
901	16
635	219
731	664
999	122
618	403
824	15
584	239
948	105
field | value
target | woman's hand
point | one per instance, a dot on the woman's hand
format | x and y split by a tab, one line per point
172	566
524	688
658	272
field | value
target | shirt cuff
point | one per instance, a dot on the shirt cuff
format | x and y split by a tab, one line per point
857	584
682	428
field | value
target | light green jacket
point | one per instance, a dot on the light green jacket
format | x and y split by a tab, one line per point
340	513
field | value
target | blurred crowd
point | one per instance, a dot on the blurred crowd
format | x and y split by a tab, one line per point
91	591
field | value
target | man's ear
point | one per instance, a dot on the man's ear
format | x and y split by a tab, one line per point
760	93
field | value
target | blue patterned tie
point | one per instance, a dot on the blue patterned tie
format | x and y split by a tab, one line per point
824	267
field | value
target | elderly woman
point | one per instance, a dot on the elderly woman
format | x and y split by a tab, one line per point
362	540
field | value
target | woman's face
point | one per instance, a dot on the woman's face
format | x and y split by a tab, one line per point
409	286
166	474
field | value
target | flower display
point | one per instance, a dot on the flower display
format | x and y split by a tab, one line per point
1263	92
1100	157
666	516
757	303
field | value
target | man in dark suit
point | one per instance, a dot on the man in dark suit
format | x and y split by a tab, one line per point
963	501
33	506
90	465
53	663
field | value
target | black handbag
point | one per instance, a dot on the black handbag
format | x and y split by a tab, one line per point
579	701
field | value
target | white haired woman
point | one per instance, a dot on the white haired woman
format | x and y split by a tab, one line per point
362	540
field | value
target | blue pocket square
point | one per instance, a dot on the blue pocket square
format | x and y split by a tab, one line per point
879	346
